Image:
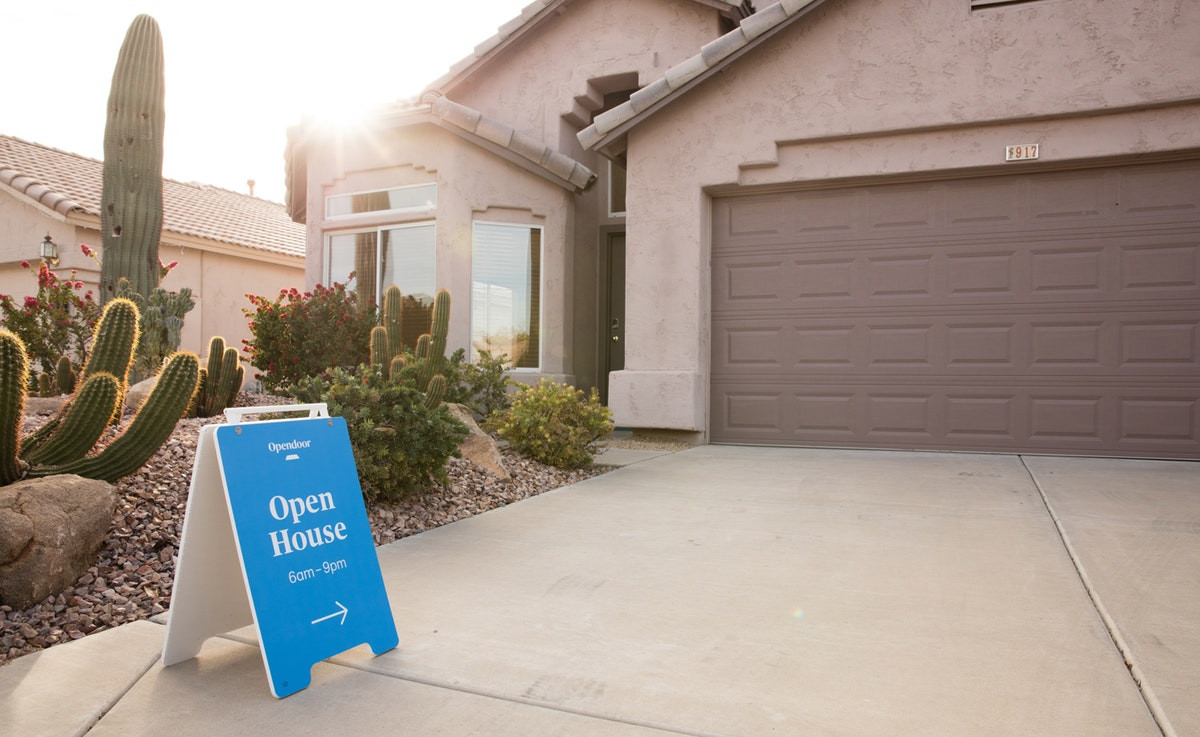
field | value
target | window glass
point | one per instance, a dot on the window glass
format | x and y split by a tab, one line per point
416	197
407	259
616	188
506	292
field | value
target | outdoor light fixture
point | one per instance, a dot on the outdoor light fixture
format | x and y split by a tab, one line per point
49	251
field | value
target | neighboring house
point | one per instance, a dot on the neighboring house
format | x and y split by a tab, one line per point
226	244
935	224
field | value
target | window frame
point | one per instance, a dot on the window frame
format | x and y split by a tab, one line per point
428	206
541	308
378	230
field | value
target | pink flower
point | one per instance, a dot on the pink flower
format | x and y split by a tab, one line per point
86	250
24	264
31	302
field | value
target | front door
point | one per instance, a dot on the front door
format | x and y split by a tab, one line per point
614	334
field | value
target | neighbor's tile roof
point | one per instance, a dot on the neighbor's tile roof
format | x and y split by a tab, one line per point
518	26
714	55
67	182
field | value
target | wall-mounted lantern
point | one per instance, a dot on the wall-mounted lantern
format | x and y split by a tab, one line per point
49	251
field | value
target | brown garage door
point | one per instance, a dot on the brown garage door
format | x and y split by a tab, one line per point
1053	312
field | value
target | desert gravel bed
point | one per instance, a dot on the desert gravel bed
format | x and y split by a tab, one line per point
133	577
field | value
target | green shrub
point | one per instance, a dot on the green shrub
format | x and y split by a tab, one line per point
482	386
303	334
554	424
400	445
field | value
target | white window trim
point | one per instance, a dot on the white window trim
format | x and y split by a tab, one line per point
541	291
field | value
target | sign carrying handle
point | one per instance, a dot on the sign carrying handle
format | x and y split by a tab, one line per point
236	415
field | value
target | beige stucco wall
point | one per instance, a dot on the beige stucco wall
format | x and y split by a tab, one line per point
219	274
883	89
473	185
535	82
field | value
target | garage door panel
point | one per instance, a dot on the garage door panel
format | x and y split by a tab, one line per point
1166	269
1115	268
1159	344
1130	420
1035	313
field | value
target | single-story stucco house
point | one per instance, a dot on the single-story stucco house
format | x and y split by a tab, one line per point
922	224
226	244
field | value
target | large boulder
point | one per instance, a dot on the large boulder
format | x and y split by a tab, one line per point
50	529
479	448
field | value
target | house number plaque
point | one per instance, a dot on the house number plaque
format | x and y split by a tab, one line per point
1022	152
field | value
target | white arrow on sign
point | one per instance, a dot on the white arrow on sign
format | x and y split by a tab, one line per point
342	611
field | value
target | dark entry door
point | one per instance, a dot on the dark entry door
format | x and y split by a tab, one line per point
614	335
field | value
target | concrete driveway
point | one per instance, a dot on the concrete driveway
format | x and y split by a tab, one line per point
731	591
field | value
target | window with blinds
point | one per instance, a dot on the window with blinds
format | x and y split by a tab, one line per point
368	262
506	276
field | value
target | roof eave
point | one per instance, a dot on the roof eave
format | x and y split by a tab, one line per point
614	139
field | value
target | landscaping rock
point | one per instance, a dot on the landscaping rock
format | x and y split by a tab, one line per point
138	393
50	529
479	448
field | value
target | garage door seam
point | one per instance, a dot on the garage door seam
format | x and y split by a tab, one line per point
1139	678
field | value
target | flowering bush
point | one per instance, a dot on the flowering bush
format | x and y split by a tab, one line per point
304	334
554	424
57	322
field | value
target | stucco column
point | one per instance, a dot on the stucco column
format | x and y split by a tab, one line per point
664	384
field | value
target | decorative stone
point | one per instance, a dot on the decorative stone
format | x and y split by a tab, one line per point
479	448
50	529
138	393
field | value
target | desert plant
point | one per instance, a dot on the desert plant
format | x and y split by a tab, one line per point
61	444
554	423
481	386
57	321
131	193
428	361
161	324
220	381
401	444
302	334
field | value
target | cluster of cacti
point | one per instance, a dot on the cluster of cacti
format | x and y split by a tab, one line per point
62	444
429	358
60	381
131	194
220	381
161	324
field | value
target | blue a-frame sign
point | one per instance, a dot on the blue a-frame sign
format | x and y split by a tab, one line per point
276	534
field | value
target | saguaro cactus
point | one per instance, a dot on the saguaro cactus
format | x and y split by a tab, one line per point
131	197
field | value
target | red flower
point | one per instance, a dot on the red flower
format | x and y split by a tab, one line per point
24	264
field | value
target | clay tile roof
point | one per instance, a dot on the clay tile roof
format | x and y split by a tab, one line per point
518	26
558	166
67	182
752	30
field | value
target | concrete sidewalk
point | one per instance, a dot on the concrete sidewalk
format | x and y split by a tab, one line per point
730	591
